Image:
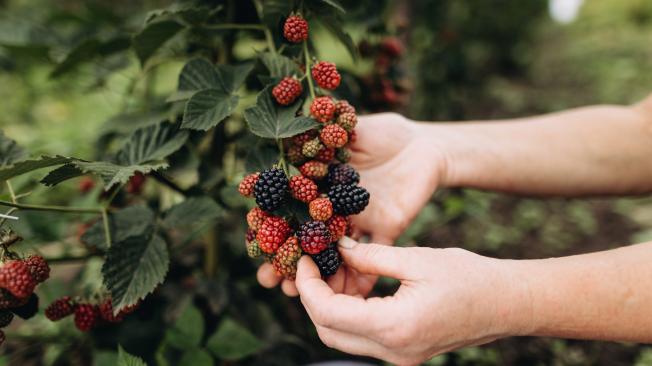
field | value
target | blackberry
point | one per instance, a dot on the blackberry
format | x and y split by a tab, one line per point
38	267
314	236
328	261
27	310
342	174
271	189
59	308
5	318
348	199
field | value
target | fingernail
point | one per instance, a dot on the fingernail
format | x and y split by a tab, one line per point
347	243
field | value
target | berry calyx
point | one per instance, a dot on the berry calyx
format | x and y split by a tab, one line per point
271	189
289	252
314	169
303	189
342	174
86	316
321	209
273	232
322	109
287	91
59	308
328	261
246	187
295	29
348	121
255	218
334	136
337	225
38	267
326	75
16	277
314	237
348	199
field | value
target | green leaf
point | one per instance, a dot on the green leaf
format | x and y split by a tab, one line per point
232	341
233	76
196	357
61	174
151	143
266	119
134	267
336	28
207	108
88	50
10	151
335	4
132	221
189	12
111	174
26	166
127	123
201	74
188	330
125	359
153	36
279	66
193	211
261	158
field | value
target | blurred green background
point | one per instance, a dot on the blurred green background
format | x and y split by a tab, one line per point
461	60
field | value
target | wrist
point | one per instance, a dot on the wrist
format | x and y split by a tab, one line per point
515	307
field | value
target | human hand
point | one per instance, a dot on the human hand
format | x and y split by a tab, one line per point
448	298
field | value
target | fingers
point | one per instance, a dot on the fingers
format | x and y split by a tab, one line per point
376	259
351	343
267	277
337	311
289	288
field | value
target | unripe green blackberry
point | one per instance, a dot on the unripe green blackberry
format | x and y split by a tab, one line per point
311	148
253	249
343	155
348	121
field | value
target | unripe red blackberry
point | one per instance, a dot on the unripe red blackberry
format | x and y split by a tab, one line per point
326	75
136	184
105	310
295	29
287	91
314	169
337	225
287	270
325	155
348	121
246	187
304	137
59	308
271	189
342	174
290	251
334	136
311	148
321	209
343	106
273	232
322	109
328	261
256	217
86	316
5	318
303	189
38	267
86	184
295	155
314	237
16	277
348	199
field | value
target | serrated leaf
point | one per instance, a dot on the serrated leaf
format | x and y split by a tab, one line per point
197	357
125	359
112	174
188	330
61	174
200	74
153	36
279	66
129	122
132	221
269	120
233	76
193	211
151	143
134	267
10	151
26	166
232	341
207	108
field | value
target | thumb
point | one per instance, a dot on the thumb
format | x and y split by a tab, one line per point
375	259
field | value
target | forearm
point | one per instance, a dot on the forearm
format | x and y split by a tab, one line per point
604	295
586	151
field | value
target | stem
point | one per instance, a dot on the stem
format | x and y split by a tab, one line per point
226	26
107	229
11	192
306	54
281	160
268	34
51	208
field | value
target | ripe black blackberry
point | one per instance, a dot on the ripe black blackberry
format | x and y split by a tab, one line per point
348	199
6	317
328	261
342	174
271	189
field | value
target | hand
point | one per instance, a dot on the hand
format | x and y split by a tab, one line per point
448	298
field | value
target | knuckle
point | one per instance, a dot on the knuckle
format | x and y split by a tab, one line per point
326	337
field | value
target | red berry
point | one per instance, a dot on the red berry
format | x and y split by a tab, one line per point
337	225
302	138
16	277
325	155
334	136
290	251
314	169
105	311
326	75
321	209
287	270
314	237
392	46
303	189
256	217
38	267
343	106
348	121
287	91
295	155
246	186
59	309
136	183
322	109
273	232
86	184
86	316
295	29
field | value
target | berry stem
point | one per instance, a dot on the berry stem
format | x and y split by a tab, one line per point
268	33
11	192
281	160
227	26
306	55
107	230
52	208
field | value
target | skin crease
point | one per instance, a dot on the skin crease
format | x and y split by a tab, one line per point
451	298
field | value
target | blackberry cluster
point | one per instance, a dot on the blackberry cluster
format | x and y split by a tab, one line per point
308	212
